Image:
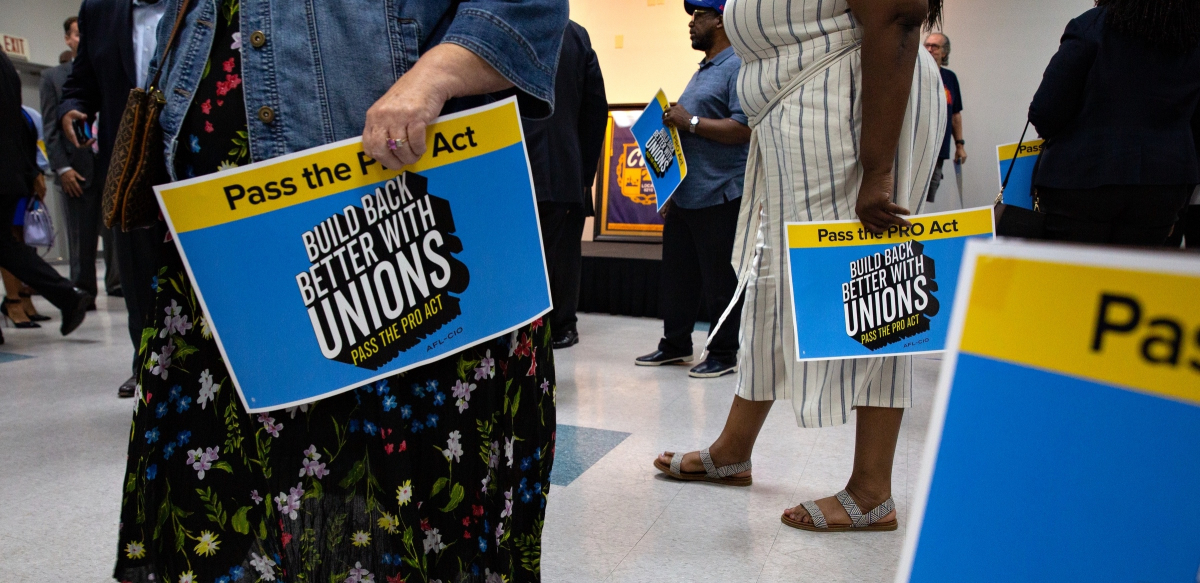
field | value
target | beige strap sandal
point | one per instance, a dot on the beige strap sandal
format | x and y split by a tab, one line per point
716	475
859	521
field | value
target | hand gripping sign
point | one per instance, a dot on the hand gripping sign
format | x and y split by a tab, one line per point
1068	407
857	294
661	149
321	271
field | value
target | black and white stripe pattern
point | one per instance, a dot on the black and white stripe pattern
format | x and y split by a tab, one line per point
799	83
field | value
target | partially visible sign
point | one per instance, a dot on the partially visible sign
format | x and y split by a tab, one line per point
15	47
625	200
856	294
1069	400
321	271
1021	158
661	149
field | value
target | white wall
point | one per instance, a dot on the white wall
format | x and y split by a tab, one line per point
39	21
1000	48
655	51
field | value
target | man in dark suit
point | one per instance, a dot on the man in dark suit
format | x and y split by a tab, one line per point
109	64
564	151
19	177
73	171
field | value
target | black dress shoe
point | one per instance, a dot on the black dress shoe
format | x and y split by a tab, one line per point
75	311
115	292
659	358
712	368
128	388
568	339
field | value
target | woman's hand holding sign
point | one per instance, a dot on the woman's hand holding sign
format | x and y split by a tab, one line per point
875	207
395	127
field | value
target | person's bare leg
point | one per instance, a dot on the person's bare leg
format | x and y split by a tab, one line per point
26	306
736	442
12	297
871	482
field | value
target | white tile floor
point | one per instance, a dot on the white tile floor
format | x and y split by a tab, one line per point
62	454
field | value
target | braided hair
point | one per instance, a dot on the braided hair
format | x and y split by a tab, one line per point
1173	25
935	15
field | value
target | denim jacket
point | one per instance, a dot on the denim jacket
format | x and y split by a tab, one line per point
312	69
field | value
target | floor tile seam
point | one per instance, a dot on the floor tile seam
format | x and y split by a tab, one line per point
792	496
643	536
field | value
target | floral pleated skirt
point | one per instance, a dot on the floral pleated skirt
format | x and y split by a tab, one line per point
437	474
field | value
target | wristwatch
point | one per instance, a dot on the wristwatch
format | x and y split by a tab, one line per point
695	122
960	142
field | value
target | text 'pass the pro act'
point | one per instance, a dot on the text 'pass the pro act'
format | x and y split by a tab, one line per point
321	271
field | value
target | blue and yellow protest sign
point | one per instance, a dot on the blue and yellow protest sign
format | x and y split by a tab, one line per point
661	150
625	202
1064	443
1021	157
857	294
321	270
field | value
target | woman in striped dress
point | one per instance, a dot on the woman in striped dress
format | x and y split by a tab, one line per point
847	110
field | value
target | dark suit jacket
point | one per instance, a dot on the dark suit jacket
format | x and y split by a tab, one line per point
103	72
564	148
18	142
58	146
1115	111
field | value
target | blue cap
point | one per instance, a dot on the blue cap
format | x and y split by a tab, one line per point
692	5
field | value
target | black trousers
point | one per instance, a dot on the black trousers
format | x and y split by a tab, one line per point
1113	215
697	248
138	259
83	235
23	262
562	230
936	181
112	274
1187	229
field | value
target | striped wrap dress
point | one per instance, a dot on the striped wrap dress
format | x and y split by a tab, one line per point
800	83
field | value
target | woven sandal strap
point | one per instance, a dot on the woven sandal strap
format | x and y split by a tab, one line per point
676	459
712	471
815	512
857	518
709	469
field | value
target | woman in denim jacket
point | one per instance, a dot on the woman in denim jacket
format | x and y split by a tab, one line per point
426	476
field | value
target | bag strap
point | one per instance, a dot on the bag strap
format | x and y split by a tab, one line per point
1013	164
1004	184
183	10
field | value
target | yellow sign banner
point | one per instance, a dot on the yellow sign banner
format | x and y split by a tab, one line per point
1009	151
286	181
1118	326
977	221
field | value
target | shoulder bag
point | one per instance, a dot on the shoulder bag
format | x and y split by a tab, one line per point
1015	221
138	163
39	229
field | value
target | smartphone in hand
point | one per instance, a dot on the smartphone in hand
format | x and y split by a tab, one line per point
83	130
